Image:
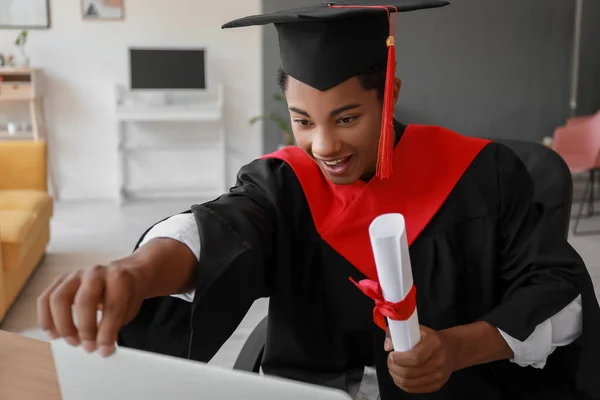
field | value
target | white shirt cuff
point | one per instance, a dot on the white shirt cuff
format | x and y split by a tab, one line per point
183	228
560	330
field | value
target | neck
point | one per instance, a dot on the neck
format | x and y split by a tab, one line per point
398	131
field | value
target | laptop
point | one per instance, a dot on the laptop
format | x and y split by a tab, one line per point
137	375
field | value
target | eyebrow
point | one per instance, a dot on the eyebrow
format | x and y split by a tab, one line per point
332	114
299	111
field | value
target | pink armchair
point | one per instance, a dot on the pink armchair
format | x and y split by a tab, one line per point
578	142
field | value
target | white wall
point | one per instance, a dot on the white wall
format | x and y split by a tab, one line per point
84	60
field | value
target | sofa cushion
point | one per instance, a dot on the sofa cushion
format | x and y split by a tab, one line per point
34	201
18	231
23	165
16	278
15	225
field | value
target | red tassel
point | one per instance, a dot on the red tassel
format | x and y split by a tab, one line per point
387	138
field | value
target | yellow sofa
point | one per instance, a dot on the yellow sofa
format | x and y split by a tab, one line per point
25	212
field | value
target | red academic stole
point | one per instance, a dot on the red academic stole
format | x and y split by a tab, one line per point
427	164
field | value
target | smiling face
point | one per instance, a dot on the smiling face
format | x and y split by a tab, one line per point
339	128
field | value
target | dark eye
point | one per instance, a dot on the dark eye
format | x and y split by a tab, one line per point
347	120
302	122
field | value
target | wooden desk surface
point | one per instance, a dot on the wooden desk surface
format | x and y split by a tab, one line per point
26	369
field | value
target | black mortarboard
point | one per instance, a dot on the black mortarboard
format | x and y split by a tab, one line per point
326	44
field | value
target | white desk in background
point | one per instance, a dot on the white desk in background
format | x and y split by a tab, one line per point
200	107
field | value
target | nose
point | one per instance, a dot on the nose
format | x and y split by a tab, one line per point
325	144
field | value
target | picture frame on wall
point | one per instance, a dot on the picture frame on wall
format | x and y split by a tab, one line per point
104	10
24	14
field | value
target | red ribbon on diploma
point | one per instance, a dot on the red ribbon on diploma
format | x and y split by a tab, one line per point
400	311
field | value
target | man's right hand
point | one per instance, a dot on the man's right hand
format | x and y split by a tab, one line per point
69	307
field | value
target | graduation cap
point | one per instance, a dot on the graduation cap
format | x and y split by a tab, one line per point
328	43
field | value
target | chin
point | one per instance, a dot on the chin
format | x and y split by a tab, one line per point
341	180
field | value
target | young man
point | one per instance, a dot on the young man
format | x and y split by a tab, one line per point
506	305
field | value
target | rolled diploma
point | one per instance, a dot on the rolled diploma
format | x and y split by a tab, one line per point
390	248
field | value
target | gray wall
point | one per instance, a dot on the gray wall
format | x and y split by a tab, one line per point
589	83
272	136
481	67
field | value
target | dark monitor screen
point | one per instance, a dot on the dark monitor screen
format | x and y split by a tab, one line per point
167	69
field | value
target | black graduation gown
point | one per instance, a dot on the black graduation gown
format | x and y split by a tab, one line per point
486	254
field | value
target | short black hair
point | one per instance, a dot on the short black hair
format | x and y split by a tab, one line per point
373	78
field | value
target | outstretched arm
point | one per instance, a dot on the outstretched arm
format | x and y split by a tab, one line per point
237	230
69	307
231	238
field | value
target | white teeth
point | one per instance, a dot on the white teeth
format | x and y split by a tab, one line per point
335	162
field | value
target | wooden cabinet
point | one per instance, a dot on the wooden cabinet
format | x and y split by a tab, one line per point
16	91
25	86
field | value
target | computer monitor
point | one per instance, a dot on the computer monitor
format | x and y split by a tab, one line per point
131	374
167	69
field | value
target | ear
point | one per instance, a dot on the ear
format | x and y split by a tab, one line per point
397	87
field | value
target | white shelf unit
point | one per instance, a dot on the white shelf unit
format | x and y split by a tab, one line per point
200	107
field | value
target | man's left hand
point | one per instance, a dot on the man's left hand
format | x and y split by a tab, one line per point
426	367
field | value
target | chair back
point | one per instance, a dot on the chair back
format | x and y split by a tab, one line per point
580	119
578	143
552	179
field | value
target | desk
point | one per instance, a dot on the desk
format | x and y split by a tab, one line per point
200	107
26	369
